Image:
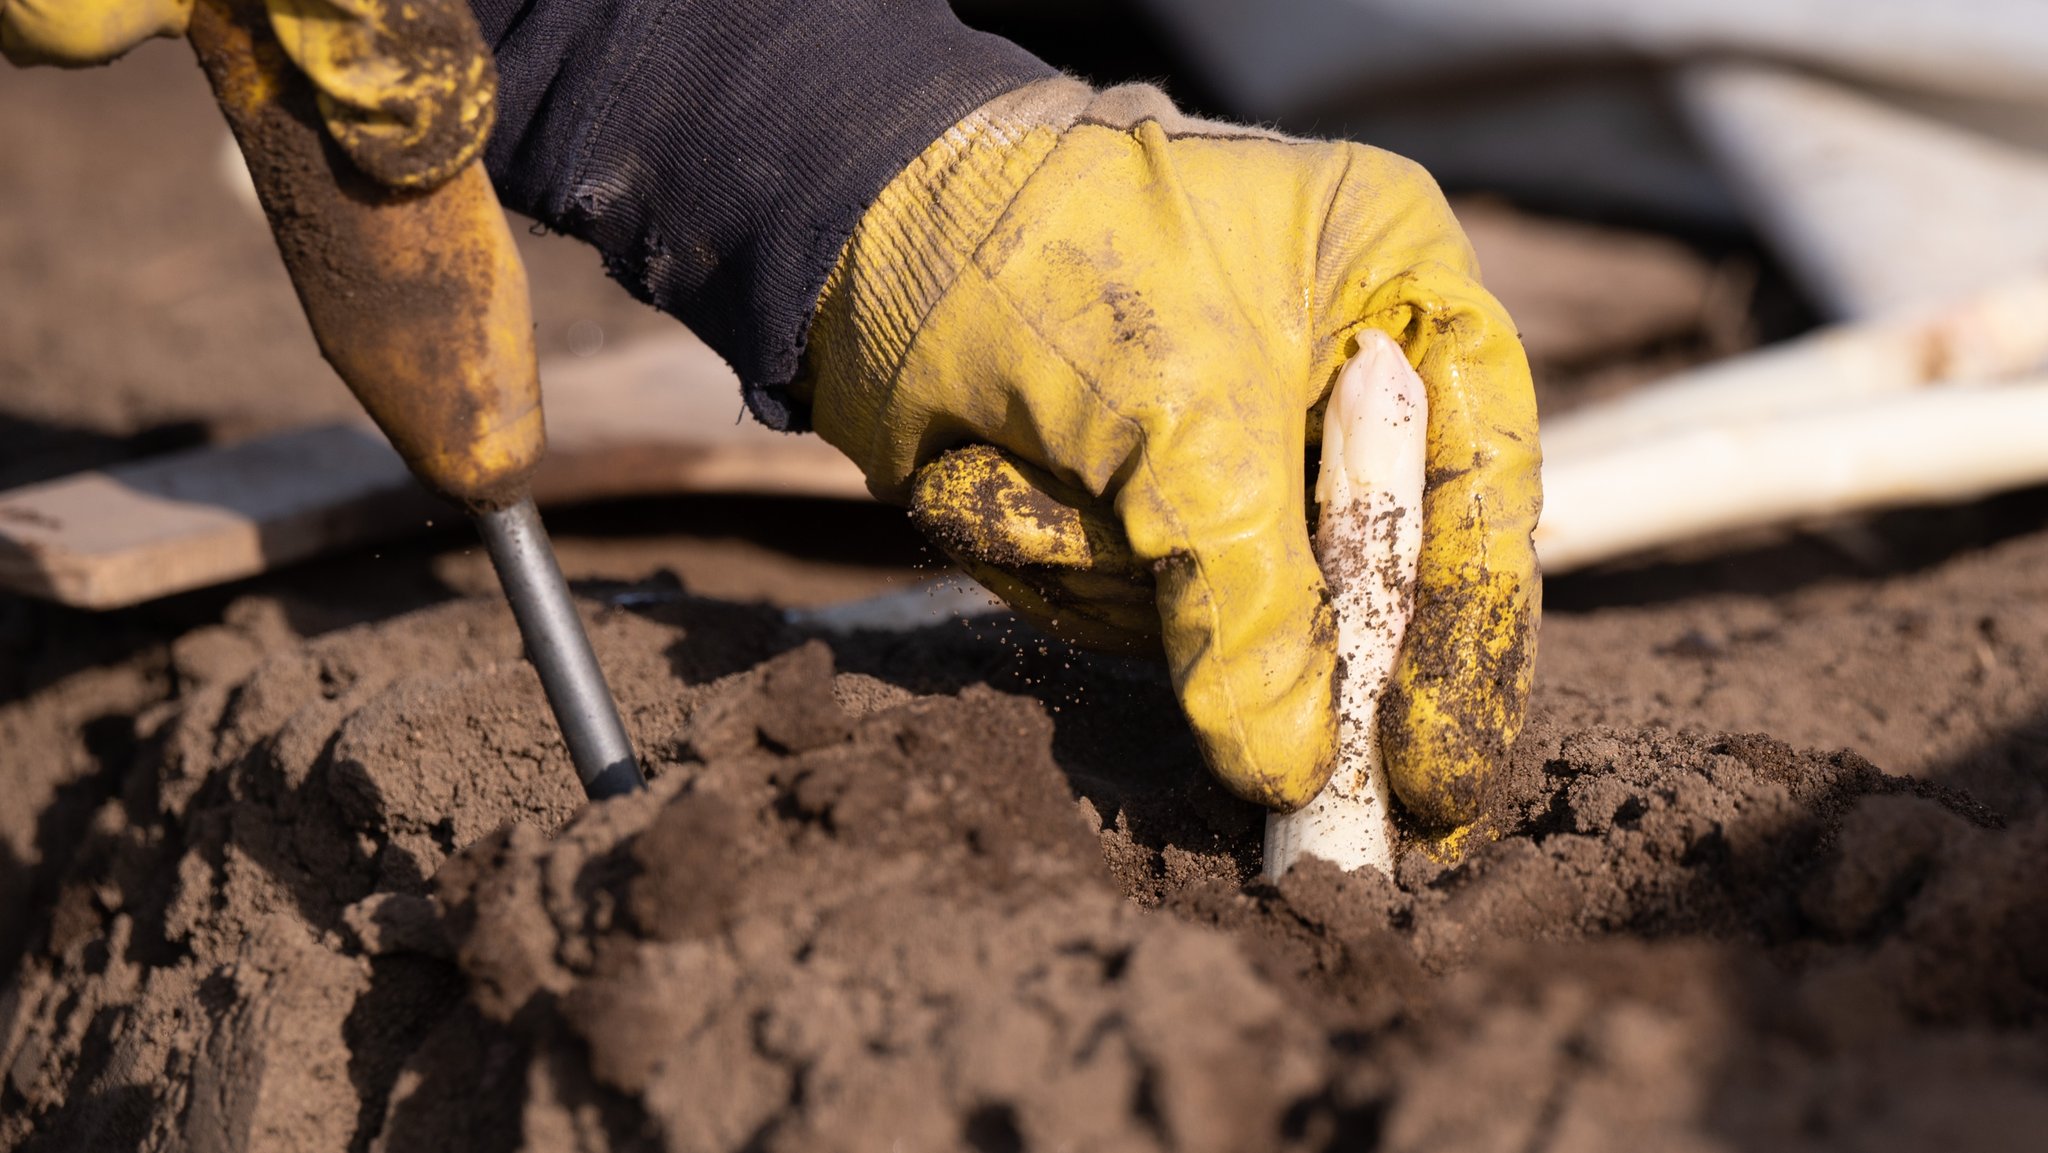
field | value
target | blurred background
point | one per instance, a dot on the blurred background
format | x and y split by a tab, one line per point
1650	189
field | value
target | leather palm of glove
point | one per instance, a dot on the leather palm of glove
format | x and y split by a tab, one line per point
1136	316
405	88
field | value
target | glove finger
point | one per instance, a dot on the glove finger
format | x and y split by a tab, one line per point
82	33
407	90
1459	695
1214	504
1049	551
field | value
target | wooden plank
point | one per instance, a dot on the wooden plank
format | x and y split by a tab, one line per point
116	536
662	417
1932	447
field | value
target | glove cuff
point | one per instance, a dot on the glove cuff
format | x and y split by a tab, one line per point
911	245
926	225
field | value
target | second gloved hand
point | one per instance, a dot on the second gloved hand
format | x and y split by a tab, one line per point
1137	317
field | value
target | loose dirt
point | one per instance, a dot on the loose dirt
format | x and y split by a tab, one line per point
956	890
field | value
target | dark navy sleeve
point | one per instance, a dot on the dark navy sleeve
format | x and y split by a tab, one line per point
719	153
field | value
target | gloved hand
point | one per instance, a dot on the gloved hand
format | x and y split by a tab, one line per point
1140	315
443	360
82	33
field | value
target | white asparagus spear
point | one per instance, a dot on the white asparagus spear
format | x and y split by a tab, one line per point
1997	334
1915	448
1368	536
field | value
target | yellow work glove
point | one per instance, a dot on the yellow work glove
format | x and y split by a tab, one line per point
1138	317
81	33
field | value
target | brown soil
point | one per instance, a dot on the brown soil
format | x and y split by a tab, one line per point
300	864
344	894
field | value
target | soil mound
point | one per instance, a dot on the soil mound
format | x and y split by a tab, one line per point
349	899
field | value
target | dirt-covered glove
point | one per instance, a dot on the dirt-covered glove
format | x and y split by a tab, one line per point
82	33
1139	316
442	354
406	88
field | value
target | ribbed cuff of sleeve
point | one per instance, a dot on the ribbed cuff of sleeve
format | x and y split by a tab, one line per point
719	153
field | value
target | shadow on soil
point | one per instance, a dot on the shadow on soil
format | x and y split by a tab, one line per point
1118	733
1776	563
2009	773
62	829
35	450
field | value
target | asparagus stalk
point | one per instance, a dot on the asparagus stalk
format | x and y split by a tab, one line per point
1368	536
1917	448
1997	335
